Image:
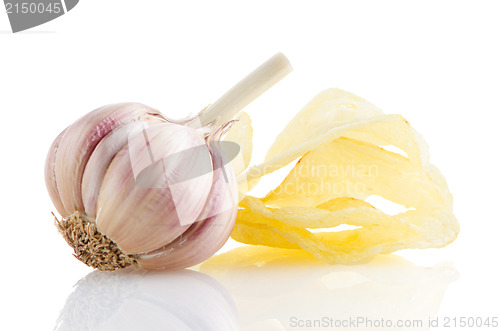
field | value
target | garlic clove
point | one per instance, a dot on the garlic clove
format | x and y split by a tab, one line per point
205	237
101	158
202	240
80	141
141	214
50	176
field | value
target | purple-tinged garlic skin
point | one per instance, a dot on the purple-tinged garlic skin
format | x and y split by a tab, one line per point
99	162
161	221
79	142
141	219
205	237
50	174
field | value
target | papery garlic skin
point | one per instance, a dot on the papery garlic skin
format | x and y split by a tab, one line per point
141	219
50	175
80	140
90	174
100	161
205	238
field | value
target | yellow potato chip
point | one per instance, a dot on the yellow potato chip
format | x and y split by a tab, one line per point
339	139
330	108
351	168
380	233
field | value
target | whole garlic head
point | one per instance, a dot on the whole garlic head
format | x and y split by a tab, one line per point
135	188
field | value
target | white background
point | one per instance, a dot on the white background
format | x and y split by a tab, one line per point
435	62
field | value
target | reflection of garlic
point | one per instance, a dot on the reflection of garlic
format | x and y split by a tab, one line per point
130	191
139	300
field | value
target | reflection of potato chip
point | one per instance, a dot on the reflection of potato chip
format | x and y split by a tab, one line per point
338	138
269	285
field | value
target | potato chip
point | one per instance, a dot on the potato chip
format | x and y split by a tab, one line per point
351	168
380	233
330	108
339	139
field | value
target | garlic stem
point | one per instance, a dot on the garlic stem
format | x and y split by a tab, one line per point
244	92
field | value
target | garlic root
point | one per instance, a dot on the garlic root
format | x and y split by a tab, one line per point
92	247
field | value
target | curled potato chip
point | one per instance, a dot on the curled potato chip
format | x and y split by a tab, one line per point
339	139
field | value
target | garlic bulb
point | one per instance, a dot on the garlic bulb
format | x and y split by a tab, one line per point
136	188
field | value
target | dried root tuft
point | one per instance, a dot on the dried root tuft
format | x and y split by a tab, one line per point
92	247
